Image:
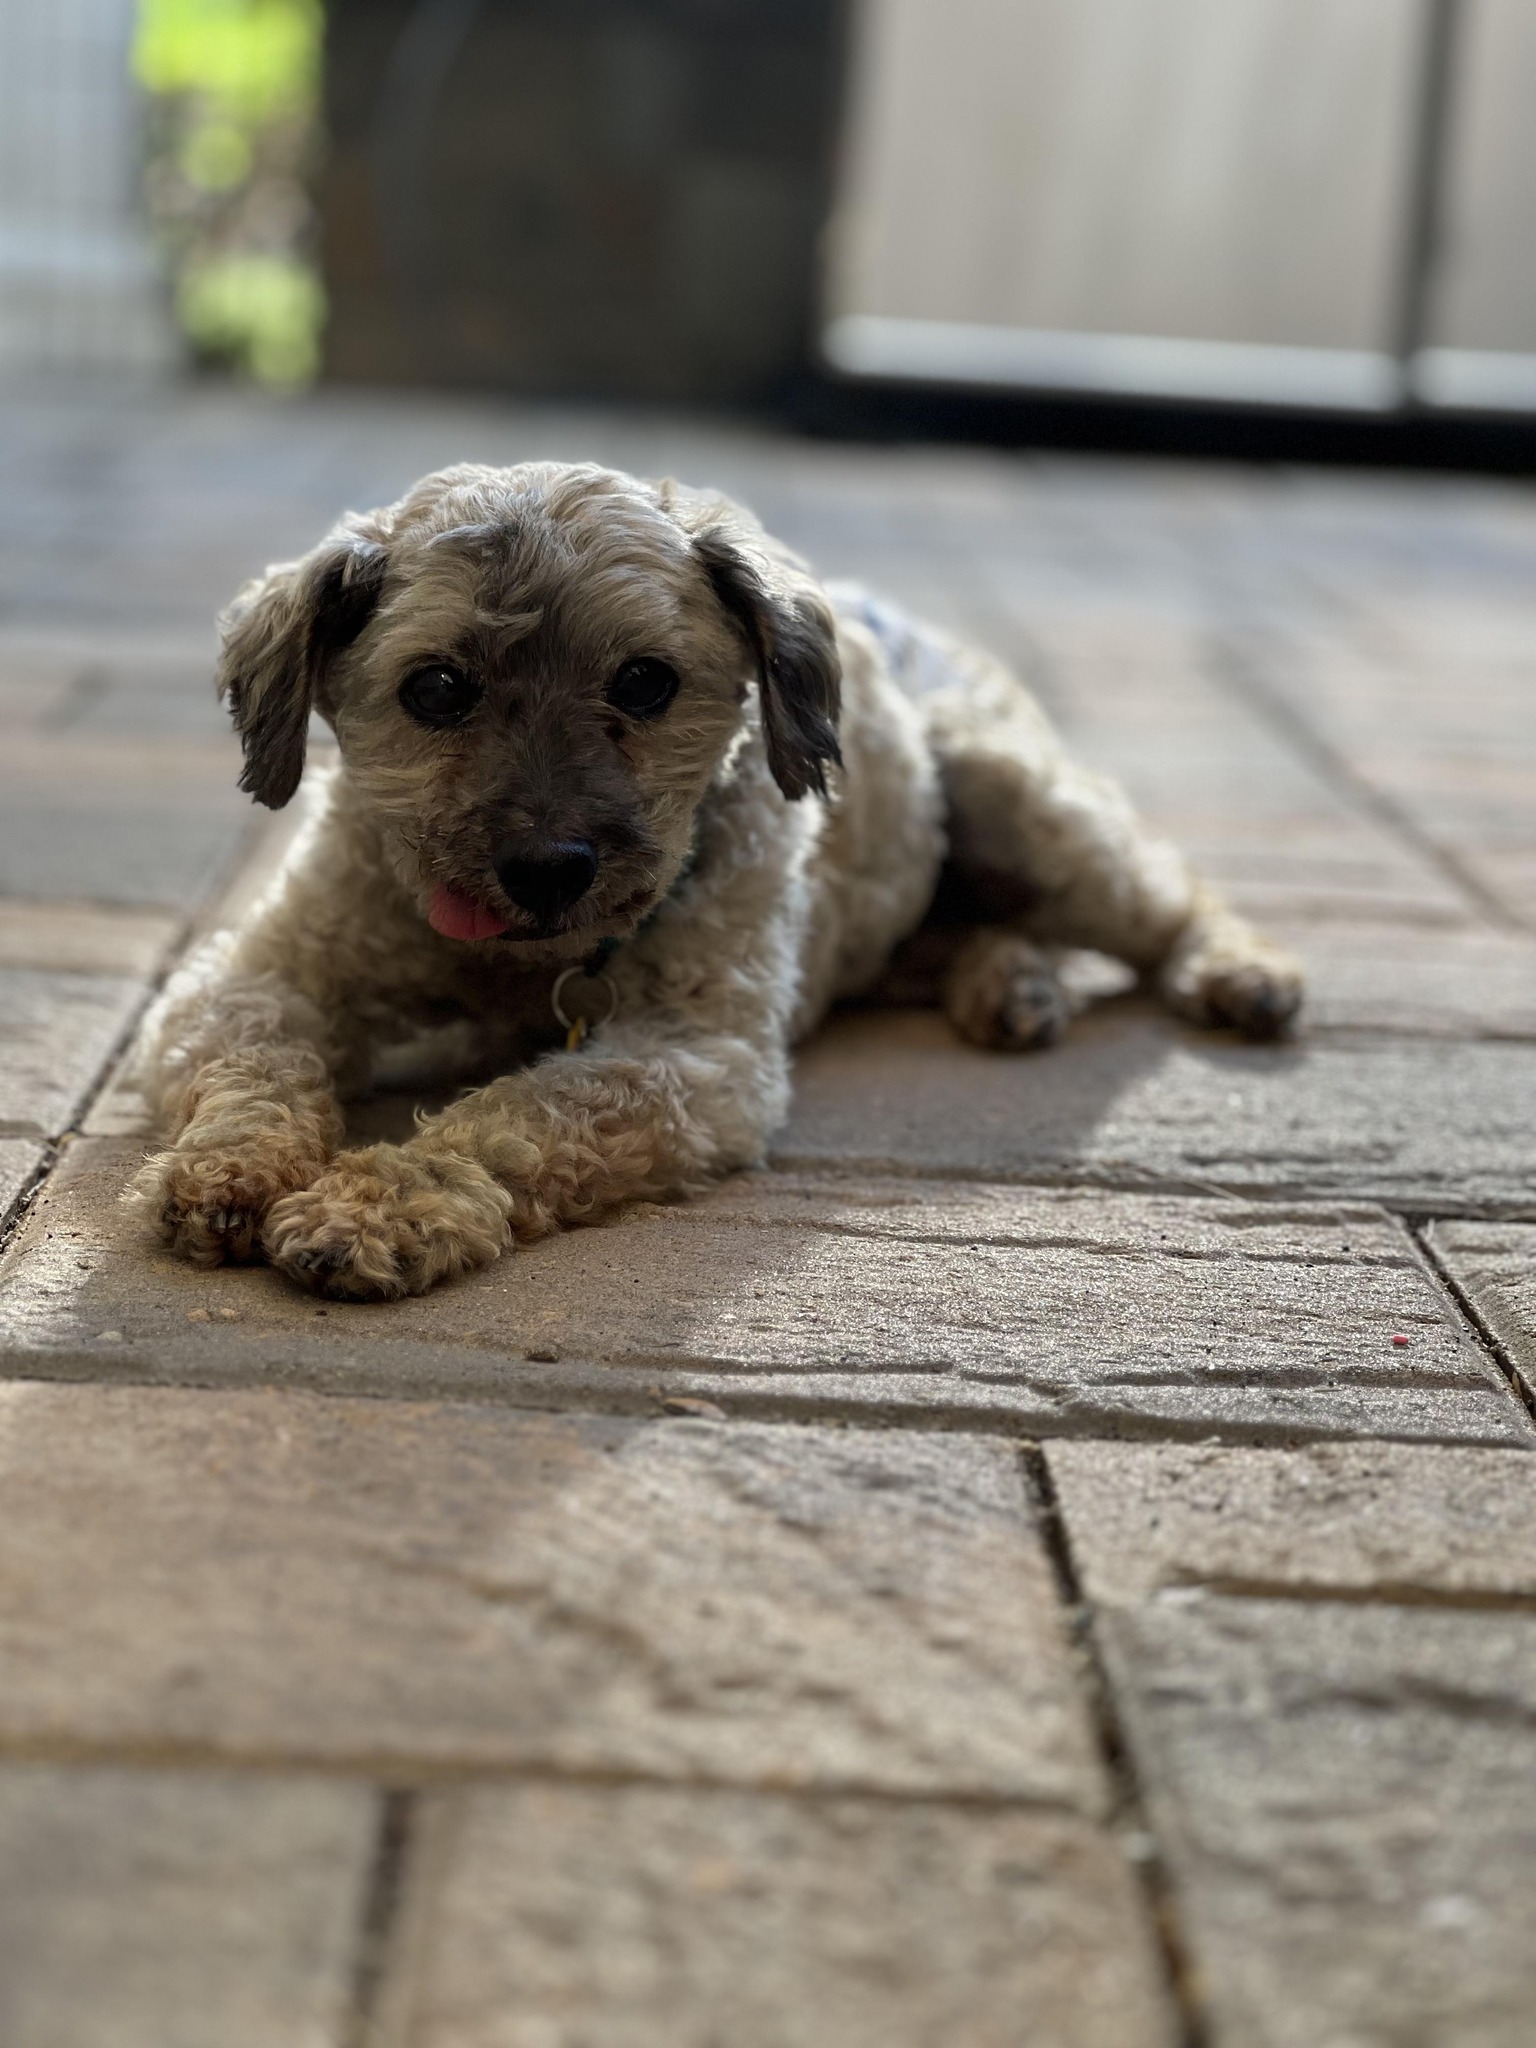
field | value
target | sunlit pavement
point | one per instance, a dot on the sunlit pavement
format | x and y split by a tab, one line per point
1051	1559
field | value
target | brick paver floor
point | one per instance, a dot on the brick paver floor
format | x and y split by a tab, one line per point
1049	1562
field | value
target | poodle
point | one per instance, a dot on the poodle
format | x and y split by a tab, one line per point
624	786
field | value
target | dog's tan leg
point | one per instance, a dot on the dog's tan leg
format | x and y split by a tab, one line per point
1062	851
243	1071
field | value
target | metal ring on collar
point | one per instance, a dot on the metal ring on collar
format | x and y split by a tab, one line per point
558	1007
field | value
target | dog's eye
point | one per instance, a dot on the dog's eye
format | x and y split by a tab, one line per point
439	695
643	688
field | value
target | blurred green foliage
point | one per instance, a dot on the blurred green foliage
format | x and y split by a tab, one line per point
259	59
234	90
263	312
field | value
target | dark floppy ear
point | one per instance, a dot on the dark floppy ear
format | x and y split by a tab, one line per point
279	635
787	623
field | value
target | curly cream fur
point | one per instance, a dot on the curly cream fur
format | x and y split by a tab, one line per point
740	915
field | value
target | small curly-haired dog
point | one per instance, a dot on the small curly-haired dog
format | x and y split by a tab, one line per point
586	726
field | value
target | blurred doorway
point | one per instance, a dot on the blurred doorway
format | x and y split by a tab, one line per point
612	197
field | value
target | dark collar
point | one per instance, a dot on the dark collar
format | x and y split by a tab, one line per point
605	949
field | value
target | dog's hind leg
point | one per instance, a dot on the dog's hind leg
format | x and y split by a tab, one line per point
1056	853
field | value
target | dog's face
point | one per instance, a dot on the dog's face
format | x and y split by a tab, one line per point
533	674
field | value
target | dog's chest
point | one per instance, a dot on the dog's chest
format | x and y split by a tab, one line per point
444	983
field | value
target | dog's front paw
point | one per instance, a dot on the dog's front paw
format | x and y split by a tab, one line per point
386	1222
210	1202
1235	979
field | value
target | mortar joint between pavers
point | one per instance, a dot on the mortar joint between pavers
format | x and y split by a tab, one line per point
1413	1215
378	1963
54	1145
1132	1180
417	1774
108	1070
31	1188
1239	667
1130	1817
1486	1336
137	1364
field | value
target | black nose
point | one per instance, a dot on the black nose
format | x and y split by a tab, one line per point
546	876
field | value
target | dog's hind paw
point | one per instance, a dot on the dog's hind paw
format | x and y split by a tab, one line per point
387	1222
1231	977
1003	993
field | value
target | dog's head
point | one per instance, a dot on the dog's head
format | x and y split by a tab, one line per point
533	674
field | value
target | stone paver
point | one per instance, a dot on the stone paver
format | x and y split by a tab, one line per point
1434	722
156	1909
1326	1663
286	1577
1495	1263
1133	1096
1053	1310
80	938
111	680
32	694
1450	983
59	1030
1142	696
19	1160
645	1917
104	819
129	850
1386	1521
1345	1795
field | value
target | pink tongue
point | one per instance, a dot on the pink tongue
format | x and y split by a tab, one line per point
458	916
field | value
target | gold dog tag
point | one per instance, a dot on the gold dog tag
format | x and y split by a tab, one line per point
576	1037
